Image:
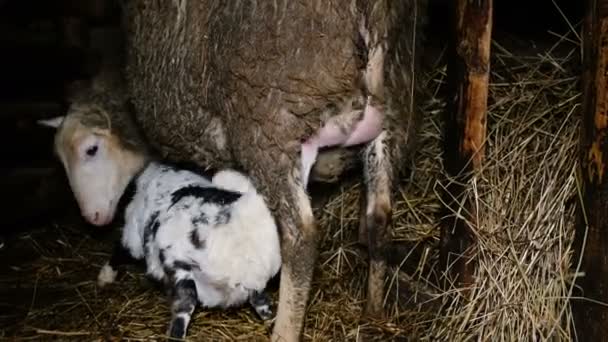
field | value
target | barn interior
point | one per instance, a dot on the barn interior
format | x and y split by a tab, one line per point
51	257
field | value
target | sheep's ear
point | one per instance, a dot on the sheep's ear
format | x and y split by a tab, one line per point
52	122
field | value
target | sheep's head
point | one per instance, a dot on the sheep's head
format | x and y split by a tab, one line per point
99	164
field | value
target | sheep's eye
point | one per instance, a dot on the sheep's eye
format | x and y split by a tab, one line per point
91	151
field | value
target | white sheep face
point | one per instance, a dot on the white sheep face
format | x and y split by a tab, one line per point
97	167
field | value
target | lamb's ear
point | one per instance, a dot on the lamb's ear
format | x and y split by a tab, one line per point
52	122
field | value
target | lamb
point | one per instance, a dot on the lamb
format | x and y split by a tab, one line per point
267	86
212	241
210	238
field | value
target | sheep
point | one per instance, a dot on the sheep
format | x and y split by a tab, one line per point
210	238
214	242
267	86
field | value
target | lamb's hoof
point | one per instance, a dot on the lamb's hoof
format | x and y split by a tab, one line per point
106	276
264	312
261	305
177	330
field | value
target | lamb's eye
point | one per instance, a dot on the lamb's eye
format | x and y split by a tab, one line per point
91	151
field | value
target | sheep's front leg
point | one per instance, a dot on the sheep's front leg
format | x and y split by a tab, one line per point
261	303
375	221
183	303
109	271
299	253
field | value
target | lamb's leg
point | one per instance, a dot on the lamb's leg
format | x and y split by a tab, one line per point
183	303
378	210
299	253
261	304
109	271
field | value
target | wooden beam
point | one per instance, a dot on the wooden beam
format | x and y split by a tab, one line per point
468	73
591	238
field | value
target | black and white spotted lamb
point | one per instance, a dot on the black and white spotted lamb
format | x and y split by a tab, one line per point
214	241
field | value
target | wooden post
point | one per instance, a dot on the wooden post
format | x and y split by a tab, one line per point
591	238
468	73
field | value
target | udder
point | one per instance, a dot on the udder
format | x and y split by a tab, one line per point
338	132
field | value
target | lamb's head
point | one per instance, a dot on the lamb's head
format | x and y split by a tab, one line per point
99	161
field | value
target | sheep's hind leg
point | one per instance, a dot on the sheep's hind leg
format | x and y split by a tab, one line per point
261	304
299	253
109	271
184	300
378	210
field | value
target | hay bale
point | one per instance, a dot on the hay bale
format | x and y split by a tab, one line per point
526	195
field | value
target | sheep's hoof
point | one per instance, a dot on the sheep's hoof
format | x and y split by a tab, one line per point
106	276
373	311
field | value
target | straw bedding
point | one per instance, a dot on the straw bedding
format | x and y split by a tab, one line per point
526	195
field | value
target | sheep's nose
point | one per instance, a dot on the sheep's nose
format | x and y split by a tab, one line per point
97	218
94	218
